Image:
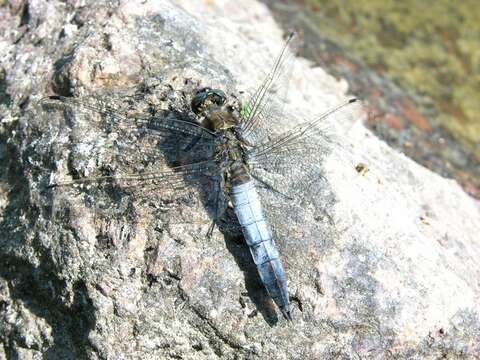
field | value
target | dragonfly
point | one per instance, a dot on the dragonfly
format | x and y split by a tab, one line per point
233	144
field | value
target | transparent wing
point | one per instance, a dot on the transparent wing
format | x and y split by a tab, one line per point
266	104
177	122
292	160
168	184
164	153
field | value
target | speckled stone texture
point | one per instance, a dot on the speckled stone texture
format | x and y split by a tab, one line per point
381	256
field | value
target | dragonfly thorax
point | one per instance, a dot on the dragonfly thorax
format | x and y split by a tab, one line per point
235	160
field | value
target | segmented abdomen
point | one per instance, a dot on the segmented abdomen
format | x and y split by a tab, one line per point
259	239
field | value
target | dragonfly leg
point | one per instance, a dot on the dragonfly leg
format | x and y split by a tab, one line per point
210	230
271	187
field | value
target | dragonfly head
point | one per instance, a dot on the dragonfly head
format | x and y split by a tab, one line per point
213	110
205	97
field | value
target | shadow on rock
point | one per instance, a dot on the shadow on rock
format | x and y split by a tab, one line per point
235	243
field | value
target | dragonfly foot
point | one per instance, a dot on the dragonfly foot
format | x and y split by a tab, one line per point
210	230
287	313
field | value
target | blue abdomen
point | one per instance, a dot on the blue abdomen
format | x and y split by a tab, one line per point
258	236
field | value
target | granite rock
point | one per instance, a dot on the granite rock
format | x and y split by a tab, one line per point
381	258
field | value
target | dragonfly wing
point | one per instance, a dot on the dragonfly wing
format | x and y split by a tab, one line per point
168	136
168	183
294	156
160	125
165	152
266	104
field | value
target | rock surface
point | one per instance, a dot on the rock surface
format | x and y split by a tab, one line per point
382	263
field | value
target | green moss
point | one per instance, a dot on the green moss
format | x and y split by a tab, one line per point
431	46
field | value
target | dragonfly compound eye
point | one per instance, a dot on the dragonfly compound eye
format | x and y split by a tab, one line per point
205	97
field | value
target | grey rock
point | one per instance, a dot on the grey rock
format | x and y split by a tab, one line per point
381	263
